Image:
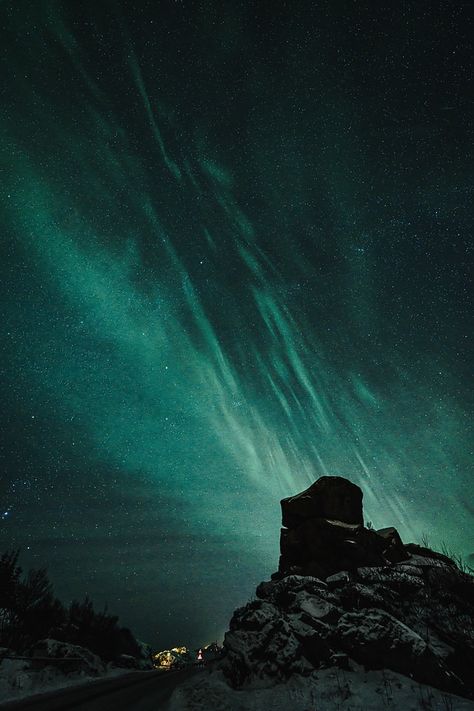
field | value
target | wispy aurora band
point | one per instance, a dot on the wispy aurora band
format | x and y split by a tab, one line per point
200	367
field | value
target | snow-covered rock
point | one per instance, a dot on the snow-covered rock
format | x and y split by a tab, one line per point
416	620
261	639
76	658
353	620
377	639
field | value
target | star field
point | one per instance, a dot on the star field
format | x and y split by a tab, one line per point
236	255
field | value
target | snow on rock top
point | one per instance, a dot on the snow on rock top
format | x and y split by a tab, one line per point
79	658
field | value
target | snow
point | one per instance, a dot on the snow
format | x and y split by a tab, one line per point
325	690
317	608
78	665
19	679
373	627
423	561
81	659
338	579
271	590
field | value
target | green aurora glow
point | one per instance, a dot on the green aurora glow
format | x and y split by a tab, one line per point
234	260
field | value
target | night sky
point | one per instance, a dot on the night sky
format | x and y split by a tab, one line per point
235	255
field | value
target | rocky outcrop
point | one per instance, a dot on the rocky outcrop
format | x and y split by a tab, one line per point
415	618
323	532
379	603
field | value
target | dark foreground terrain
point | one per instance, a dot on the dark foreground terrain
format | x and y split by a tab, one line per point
140	691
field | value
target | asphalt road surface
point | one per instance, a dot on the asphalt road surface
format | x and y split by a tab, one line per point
139	691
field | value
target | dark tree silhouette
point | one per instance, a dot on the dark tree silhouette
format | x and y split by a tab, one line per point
99	631
10	573
29	611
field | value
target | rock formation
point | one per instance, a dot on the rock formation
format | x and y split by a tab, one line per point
324	532
330	497
345	595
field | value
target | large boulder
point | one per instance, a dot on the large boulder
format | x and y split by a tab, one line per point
324	533
331	497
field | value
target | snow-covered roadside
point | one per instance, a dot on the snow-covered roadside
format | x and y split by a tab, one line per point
18	680
326	690
74	665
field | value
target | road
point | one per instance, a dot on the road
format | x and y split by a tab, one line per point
139	691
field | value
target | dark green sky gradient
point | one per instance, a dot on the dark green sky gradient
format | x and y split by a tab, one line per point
236	256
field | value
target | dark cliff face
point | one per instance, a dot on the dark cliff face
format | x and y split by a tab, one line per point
372	600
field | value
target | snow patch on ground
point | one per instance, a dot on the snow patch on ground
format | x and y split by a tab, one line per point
18	679
325	690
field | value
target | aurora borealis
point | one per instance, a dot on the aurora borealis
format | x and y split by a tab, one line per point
235	256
